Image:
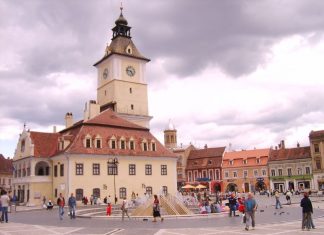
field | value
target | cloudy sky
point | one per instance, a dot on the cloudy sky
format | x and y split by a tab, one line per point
231	72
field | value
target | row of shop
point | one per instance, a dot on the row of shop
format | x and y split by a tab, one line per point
253	185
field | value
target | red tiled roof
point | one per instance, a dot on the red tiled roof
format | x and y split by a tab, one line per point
45	144
205	158
205	153
246	154
105	131
105	125
6	167
110	118
290	154
314	134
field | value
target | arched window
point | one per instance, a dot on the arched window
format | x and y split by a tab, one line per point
79	194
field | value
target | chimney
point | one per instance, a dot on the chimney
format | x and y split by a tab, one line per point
68	120
205	146
282	144
298	145
54	129
91	110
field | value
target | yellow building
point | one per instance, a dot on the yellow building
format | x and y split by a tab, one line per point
111	151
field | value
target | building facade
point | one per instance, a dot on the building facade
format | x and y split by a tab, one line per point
246	170
290	168
32	176
6	170
316	140
204	165
111	152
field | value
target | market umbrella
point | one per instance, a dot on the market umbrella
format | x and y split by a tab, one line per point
200	186
187	186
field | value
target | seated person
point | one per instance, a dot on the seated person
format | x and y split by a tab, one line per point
49	205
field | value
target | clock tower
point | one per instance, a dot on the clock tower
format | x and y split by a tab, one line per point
121	77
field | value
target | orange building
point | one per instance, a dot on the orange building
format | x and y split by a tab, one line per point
246	170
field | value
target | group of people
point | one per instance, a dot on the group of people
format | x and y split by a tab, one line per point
71	203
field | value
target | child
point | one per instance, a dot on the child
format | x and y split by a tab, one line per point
241	208
109	209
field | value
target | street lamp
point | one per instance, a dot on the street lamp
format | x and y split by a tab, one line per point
112	170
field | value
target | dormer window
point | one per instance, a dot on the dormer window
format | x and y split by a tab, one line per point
131	144
210	162
113	144
122	144
153	146
244	161
98	142
88	143
231	162
258	161
195	163
144	145
129	49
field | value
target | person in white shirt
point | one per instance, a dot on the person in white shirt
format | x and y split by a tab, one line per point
5	200
124	208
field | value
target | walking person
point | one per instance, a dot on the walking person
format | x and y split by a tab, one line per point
232	205
61	203
288	197
250	208
72	206
5	200
278	203
124	208
307	206
156	209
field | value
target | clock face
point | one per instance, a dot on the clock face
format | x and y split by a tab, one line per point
105	73
130	71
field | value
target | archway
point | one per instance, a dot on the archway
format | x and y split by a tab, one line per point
231	187
42	168
260	186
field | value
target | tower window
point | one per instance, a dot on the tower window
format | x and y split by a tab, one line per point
130	90
129	51
132	107
105	92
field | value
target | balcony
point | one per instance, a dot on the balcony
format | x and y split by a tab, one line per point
32	179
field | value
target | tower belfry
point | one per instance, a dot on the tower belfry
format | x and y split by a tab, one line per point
122	85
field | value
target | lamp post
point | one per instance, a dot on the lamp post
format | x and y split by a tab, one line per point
112	165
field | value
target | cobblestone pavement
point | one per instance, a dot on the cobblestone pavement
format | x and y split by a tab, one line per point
269	221
283	228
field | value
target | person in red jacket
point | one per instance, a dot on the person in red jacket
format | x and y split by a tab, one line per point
109	209
241	207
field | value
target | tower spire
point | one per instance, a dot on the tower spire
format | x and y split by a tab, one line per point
121	8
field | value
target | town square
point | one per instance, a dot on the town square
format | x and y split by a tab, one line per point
161	117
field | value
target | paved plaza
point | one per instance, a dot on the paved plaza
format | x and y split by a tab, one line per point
269	221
